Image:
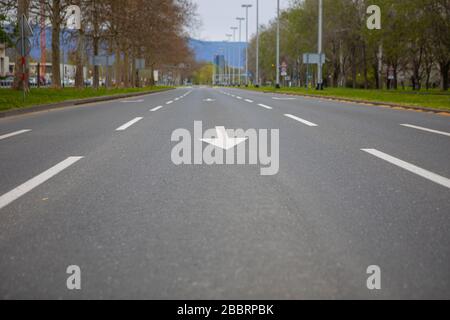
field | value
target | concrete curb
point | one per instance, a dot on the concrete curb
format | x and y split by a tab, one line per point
71	103
383	104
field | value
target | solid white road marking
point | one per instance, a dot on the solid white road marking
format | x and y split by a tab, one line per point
132	101
129	124
426	129
249	101
301	120
18	192
264	106
276	98
9	135
410	167
156	109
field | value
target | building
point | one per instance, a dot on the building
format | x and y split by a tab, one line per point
5	69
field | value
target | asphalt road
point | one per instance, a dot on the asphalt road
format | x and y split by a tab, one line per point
355	188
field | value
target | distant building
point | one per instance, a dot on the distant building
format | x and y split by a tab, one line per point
5	69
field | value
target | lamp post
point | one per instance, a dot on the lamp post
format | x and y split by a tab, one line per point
257	44
229	36
278	45
239	48
319	68
246	6
234	67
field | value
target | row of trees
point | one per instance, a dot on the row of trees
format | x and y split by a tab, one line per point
155	30
412	47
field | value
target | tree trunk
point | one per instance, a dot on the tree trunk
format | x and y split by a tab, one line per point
22	69
79	76
366	81
56	50
444	69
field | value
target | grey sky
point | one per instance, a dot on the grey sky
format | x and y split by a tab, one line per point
218	16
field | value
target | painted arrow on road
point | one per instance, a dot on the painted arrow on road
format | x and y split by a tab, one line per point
223	141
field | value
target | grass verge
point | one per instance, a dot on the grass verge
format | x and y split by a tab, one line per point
12	99
432	99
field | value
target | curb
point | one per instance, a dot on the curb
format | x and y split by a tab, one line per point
375	103
71	103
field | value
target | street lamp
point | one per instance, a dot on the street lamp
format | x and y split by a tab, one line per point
239	47
257	43
319	68
229	36
278	45
234	67
246	6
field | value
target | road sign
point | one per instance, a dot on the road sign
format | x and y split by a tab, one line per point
314	58
27	30
102	61
26	49
140	64
284	69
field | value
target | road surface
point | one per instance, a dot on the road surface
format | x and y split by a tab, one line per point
95	186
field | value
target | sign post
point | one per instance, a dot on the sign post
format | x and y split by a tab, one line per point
313	58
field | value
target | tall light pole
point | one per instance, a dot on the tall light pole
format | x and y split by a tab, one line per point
319	68
234	67
229	36
239	47
257	43
246	6
278	45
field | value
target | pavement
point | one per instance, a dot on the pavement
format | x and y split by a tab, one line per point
95	186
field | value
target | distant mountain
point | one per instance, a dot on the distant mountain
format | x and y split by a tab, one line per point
206	50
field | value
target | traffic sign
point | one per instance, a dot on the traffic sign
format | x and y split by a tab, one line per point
140	64
102	61
314	58
26	49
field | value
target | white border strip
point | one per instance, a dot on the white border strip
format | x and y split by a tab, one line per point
9	135
410	167
18	192
426	129
301	120
129	124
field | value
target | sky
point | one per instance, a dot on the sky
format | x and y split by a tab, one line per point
217	16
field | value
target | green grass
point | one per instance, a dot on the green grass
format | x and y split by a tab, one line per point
12	99
433	99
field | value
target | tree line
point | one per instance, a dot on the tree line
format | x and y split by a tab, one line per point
154	30
412	48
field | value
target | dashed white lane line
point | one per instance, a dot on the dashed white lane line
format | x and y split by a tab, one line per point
249	101
426	129
18	192
9	135
240	98
129	124
169	102
156	109
264	106
308	123
410	167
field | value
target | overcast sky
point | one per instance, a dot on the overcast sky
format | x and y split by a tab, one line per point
217	16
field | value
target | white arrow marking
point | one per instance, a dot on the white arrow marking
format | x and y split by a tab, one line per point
223	141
